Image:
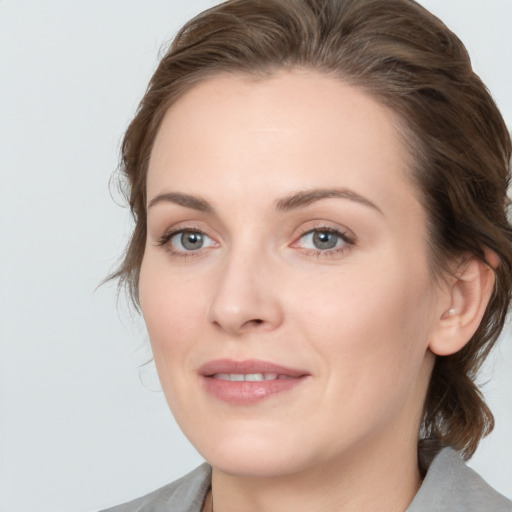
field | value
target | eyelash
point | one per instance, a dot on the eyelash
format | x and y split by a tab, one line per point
348	241
165	239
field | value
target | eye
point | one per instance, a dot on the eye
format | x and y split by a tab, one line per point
186	241
324	240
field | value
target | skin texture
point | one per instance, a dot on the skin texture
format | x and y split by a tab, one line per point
360	319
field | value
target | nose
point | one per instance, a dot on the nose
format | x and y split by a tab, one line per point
246	297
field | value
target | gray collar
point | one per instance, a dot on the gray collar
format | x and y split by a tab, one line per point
452	486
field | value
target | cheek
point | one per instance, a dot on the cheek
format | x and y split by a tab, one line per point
372	324
172	313
172	310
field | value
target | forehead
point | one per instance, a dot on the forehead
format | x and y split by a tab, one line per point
295	130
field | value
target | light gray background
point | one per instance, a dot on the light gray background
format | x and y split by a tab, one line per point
79	430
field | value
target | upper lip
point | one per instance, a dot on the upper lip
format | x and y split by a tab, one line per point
247	366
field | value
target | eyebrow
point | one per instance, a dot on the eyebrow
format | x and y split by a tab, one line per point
186	200
306	197
291	202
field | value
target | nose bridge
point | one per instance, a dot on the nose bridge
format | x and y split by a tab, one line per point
244	297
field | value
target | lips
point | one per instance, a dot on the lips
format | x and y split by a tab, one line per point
249	381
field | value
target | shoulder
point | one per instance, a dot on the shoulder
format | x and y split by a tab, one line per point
184	495
451	485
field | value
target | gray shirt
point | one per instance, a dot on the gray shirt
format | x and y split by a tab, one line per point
449	485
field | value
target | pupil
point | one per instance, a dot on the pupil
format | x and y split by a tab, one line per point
192	241
325	240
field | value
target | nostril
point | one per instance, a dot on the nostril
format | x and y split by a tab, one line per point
254	322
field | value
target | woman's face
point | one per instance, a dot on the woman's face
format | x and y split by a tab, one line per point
286	243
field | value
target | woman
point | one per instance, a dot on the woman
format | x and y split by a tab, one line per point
321	255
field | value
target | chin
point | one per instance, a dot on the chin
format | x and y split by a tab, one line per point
243	465
252	456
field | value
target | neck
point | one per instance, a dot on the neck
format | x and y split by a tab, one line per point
385	479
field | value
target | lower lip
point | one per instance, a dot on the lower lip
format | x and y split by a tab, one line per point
248	392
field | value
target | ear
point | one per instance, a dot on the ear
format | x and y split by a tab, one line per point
469	292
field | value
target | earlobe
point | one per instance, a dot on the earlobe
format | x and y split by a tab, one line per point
469	294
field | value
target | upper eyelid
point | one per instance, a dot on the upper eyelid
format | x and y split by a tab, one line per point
346	238
185	226
171	233
313	226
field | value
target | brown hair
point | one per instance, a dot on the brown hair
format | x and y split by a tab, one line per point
410	61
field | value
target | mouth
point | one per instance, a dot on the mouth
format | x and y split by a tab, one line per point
249	381
250	377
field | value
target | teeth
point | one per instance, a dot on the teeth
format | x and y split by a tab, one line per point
254	377
251	377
